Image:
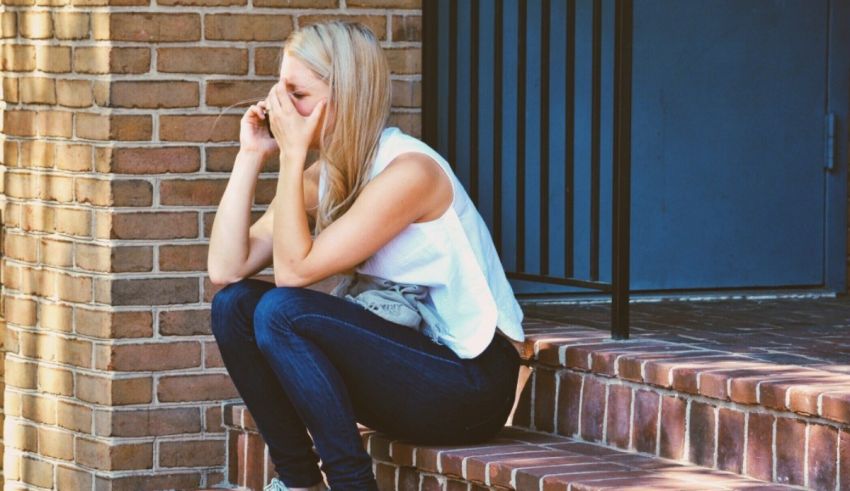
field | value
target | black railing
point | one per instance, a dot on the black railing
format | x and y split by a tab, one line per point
497	104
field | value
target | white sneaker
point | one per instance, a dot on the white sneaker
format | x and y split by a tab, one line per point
277	485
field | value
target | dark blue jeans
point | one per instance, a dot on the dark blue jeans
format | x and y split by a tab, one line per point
304	360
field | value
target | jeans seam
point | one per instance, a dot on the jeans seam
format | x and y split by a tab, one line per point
406	347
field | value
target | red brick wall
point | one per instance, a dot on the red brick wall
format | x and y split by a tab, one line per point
112	170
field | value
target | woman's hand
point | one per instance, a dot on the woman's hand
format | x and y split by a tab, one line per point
253	135
293	132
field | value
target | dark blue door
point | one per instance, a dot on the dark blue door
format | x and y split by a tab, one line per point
729	185
728	176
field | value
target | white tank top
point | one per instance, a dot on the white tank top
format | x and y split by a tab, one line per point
454	256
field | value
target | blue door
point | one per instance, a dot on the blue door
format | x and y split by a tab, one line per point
734	181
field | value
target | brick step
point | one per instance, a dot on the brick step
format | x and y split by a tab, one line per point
759	415
714	404
517	458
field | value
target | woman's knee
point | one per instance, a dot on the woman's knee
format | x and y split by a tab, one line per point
277	309
233	305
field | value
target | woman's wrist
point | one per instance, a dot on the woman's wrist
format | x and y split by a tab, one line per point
293	159
253	159
253	153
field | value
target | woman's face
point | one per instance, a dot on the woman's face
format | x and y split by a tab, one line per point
304	88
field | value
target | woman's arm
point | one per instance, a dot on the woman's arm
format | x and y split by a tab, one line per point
413	186
237	251
233	248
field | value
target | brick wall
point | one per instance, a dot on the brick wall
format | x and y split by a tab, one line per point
112	169
111	172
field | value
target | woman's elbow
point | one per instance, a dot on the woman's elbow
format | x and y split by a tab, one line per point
220	278
286	281
288	278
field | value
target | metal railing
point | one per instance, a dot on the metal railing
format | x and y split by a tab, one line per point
500	103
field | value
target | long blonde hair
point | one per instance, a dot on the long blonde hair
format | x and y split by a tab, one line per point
349	58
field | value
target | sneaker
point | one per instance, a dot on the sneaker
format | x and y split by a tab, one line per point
277	485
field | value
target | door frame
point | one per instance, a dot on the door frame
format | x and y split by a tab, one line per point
837	102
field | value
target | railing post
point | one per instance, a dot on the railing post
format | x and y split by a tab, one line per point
622	168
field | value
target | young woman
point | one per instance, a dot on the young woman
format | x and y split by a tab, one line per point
419	342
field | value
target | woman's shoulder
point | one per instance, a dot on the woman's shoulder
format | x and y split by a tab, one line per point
394	143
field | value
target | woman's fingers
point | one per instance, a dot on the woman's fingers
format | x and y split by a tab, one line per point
285	100
262	109
257	111
273	102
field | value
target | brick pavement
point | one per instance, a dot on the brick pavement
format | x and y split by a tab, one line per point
814	333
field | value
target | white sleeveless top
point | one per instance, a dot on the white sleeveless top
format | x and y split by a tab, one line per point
454	256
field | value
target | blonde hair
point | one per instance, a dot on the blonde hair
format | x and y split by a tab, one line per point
349	58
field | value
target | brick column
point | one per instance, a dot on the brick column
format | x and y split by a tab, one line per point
117	145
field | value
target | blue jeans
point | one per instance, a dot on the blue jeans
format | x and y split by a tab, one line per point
306	360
